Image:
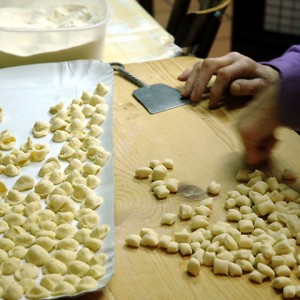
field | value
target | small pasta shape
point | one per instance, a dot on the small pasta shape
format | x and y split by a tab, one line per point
7	141
43	188
24	183
37	255
60	136
39	152
27	270
78	268
50	281
64	255
92	201
54	266
40	129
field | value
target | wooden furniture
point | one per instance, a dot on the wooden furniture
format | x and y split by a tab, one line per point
196	31
133	35
270	33
204	146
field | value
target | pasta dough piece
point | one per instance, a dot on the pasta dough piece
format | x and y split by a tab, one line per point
56	176
185	211
14	219
3	190
39	152
14	197
27	284
67	244
3	226
46	242
78	268
63	218
7	141
27	270
98	259
65	231
56	108
50	281
84	254
37	292
24	183
43	188
13	292
37	255
143	172
168	219
11	170
80	192
25	240
213	188
133	240
82	234
159	173
10	266
101	89
40	129
54	266
64	256
92	201
161	191
100	232
63	288
71	278
86	283
93	244
88	220
60	136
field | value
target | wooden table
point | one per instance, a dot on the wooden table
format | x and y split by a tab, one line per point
204	146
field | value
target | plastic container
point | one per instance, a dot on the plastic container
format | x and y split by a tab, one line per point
22	45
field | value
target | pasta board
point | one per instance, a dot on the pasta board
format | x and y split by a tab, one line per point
26	95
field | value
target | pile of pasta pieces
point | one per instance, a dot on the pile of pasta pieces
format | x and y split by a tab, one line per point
51	236
260	237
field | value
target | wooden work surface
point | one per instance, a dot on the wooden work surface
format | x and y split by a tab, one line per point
204	147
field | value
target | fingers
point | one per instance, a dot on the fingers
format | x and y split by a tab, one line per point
247	87
185	74
198	77
259	152
257	124
243	67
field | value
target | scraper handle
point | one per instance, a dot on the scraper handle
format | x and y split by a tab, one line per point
118	67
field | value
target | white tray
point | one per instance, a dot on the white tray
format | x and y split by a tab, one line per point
27	93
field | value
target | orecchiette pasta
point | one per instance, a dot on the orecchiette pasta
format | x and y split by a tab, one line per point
41	129
24	183
7	141
37	255
27	270
78	268
54	266
64	255
50	281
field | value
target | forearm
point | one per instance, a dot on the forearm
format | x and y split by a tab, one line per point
288	66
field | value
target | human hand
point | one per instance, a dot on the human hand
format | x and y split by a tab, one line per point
257	124
234	71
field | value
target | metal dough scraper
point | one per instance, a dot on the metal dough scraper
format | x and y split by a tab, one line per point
155	98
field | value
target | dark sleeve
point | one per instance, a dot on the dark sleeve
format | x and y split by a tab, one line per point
288	66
